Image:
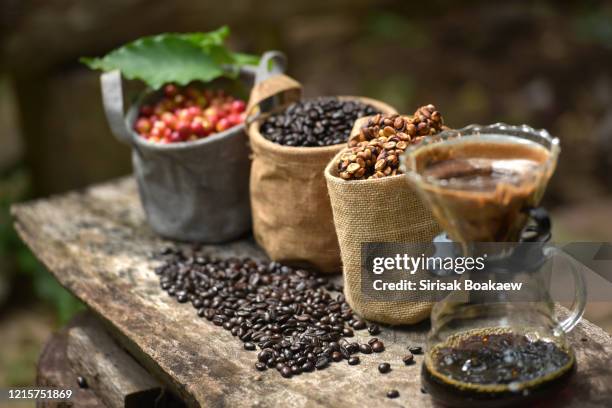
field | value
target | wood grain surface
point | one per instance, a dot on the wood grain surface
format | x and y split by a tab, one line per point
98	245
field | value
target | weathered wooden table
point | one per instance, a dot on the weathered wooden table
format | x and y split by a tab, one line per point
98	245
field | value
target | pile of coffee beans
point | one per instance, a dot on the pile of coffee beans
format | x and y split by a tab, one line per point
289	315
323	121
375	151
185	114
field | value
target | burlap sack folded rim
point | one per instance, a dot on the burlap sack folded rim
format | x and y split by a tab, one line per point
295	154
387	312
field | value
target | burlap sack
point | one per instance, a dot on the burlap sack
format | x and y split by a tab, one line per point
292	217
377	210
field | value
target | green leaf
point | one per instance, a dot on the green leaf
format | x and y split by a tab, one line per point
160	59
174	57
245	59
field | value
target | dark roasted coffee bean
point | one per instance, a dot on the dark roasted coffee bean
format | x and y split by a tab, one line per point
374	329
321	363
393	394
372	340
287	313
384	368
315	122
286	372
415	349
359	325
365	348
260	366
378	347
408	359
354	360
82	382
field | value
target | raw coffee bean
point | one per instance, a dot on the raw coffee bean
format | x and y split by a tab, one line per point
260	366
354	360
378	347
384	368
374	152
249	346
365	348
321	121
374	329
415	349
408	358
393	394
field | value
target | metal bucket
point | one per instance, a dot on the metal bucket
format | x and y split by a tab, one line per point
192	191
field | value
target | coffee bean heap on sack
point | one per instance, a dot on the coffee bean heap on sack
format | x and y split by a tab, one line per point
374	152
288	314
323	121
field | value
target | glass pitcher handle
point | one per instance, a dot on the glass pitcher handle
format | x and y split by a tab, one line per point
580	295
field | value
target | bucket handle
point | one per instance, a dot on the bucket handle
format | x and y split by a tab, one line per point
112	98
271	63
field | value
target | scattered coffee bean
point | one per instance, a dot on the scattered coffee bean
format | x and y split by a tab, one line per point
408	359
374	329
359	325
286	372
365	348
415	349
372	340
354	360
287	314
82	382
260	366
378	346
321	363
337	356
384	368
393	394
322	121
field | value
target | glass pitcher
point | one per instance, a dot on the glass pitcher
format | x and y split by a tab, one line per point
503	347
494	347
